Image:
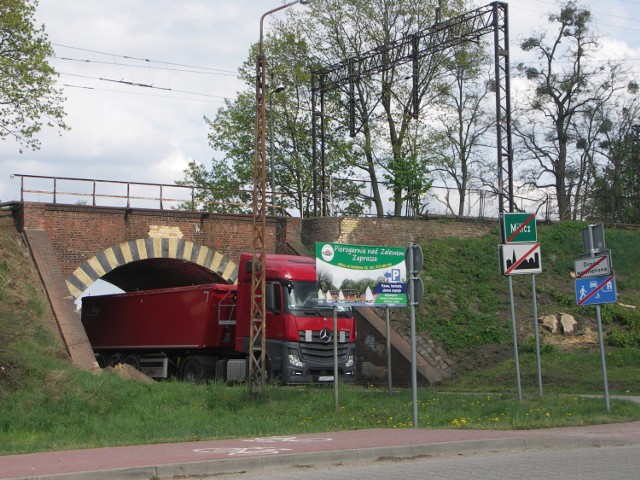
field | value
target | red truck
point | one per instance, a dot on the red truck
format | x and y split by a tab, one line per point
202	332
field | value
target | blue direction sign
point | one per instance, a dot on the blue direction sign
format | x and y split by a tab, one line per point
596	290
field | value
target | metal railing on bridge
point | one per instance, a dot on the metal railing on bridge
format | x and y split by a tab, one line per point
114	193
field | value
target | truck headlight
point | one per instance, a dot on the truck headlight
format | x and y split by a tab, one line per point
350	361
294	360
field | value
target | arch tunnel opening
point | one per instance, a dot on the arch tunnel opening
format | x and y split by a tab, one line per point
151	274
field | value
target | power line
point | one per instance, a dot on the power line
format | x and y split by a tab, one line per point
100	62
84	87
129	57
144	85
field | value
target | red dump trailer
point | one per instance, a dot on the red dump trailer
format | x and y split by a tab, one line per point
202	332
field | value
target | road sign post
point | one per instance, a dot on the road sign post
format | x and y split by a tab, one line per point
595	284
520	254
414	260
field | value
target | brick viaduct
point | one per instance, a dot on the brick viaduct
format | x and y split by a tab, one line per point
74	245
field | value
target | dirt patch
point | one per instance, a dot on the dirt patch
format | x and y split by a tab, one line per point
585	338
127	372
484	356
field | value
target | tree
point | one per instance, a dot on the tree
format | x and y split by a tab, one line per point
383	102
615	194
28	97
231	132
218	190
567	90
461	122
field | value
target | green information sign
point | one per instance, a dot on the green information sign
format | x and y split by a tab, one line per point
518	228
361	275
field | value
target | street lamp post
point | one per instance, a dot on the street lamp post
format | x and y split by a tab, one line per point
278	89
257	332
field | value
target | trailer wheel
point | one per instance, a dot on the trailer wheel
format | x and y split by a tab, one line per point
132	360
193	370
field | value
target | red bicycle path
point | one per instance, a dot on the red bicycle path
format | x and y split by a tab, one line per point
235	455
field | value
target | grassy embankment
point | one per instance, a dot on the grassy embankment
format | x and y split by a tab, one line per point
47	404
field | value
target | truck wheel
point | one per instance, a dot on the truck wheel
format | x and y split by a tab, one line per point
193	370
132	360
102	362
114	360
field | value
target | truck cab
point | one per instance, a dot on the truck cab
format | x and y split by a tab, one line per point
299	331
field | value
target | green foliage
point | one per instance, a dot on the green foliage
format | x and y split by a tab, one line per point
461	308
466	303
28	97
628	317
529	346
621	338
287	141
563	372
64	408
219	190
409	180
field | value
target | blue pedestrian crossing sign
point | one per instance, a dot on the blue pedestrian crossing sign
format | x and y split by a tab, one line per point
596	290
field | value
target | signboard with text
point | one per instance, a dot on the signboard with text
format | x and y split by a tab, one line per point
518	228
359	275
595	266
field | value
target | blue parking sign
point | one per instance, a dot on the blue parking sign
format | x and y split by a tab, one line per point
596	290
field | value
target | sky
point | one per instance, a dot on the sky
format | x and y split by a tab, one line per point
140	75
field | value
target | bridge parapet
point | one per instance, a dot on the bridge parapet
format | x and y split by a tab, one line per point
125	194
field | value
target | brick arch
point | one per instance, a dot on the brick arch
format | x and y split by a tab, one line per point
148	248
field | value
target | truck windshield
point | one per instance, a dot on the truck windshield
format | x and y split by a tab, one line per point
301	299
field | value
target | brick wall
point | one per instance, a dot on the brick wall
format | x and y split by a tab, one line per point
388	231
79	232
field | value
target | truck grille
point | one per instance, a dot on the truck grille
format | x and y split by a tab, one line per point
321	351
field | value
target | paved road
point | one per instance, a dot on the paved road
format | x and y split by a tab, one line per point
587	463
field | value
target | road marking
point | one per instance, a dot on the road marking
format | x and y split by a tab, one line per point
287	439
243	451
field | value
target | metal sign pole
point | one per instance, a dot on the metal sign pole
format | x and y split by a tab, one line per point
389	380
335	357
535	330
412	311
603	361
515	339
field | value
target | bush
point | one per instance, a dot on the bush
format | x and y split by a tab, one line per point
529	346
621	338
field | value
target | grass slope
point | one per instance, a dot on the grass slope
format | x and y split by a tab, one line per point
46	403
